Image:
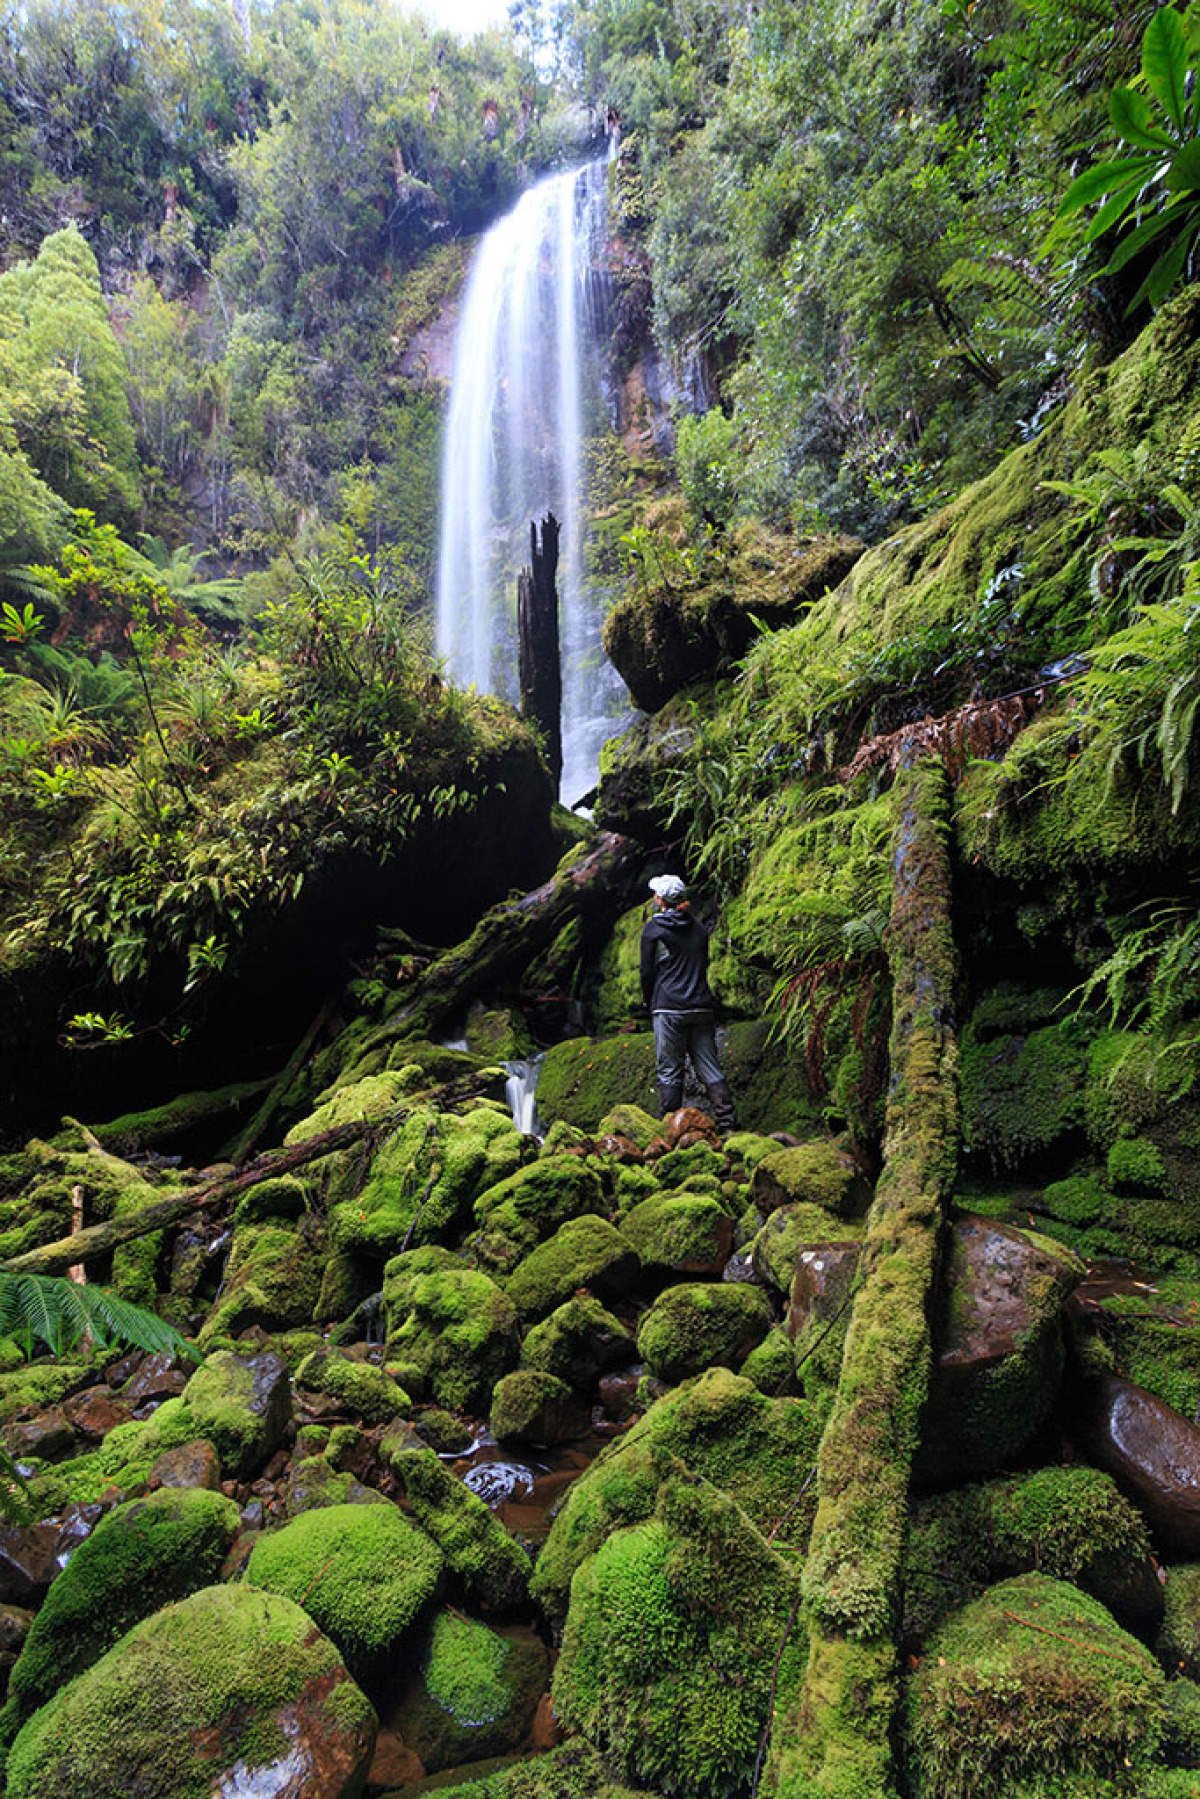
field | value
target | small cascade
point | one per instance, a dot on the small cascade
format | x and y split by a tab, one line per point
521	1094
524	397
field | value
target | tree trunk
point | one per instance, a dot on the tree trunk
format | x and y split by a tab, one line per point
538	647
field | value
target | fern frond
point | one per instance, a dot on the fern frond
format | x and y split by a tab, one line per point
59	1313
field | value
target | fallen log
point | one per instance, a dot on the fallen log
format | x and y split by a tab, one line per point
97	1240
594	878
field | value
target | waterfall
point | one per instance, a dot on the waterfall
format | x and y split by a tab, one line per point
524	392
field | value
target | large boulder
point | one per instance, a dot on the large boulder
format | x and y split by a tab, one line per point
998	1351
486	1566
1032	1683
577	1342
586	1252
815	1174
1153	1455
790	1229
702	1325
229	1691
363	1573
520	1212
680	1234
819	1302
366	1391
242	1405
452	1322
138	1558
533	1407
272	1280
474	1693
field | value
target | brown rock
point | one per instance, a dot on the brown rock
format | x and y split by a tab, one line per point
192	1465
998	1349
158	1378
1153	1454
394	1763
620	1149
47	1435
821	1283
95	1412
692	1123
543	1732
618	1392
28	1562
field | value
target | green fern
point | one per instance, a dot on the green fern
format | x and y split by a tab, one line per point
58	1314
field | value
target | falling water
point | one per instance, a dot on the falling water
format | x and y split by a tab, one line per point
524	391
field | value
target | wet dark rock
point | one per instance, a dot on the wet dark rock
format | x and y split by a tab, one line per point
14	1626
158	1378
191	1465
75	1526
618	1391
253	1515
537	1408
95	1412
48	1435
998	1349
1151	1452
28	1562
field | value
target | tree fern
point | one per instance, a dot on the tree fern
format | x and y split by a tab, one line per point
58	1314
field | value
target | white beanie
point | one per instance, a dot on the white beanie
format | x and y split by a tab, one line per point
669	888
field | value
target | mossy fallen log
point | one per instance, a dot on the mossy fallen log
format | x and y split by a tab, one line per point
97	1240
836	1741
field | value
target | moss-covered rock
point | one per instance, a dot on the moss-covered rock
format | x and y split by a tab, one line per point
630	1121
474	1694
122	1461
771	1364
1023	1095
578	1341
452	1322
283	1196
677	1641
242	1404
219	1688
789	1229
483	1563
619	974
815	1174
1153	1333
313	1481
424	1178
1071	1523
583	1079
367	1391
138	1558
362	1573
585	1252
760	1450
530	1406
702	1325
681	1234
38	1385
529	1206
1177	1645
1032	1682
272	1280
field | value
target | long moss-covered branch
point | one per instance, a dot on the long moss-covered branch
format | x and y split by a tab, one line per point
838	1742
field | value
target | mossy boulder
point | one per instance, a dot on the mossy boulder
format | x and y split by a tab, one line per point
283	1196
313	1481
375	1100
365	1390
789	1229
139	1557
577	1342
484	1564
1033	1682
1177	1645
771	1364
702	1325
998	1348
211	1694
38	1385
530	1406
520	1212
632	765
123	1460
815	1174
720	1426
272	1280
584	1078
1153	1333
452	1322
1023	1095
584	1252
424	1178
1071	1523
363	1573
680	1234
242	1404
619	974
632	1122
676	1643
474	1694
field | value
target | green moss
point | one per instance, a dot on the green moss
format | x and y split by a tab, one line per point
123	1460
1030	1682
1071	1523
1181	1728
530	1406
283	1196
619	976
363	1573
374	1100
584	1252
577	1341
583	1079
699	1325
680	1233
312	1481
815	1174
424	1178
520	1212
630	1121
1135	1164
38	1385
762	1451
475	1694
361	1387
272	1280
241	1406
674	1636
483	1562
454	1323
1154	1338
788	1230
201	1685
1178	1643
746	1149
771	1364
138	1558
1023	1097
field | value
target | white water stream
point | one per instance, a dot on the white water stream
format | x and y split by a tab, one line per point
524	397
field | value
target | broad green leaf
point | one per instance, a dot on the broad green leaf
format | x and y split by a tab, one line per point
1165	273
1131	246
1114	209
1184	172
1101	178
1164	63
1133	119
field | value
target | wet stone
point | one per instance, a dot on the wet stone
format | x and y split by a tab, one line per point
28	1562
157	1379
77	1523
190	1465
95	1412
47	1436
1153	1454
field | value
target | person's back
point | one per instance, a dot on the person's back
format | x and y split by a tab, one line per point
674	967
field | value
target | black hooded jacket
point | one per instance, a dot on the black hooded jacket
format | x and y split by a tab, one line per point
675	963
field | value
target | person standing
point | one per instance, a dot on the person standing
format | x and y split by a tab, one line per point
676	992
